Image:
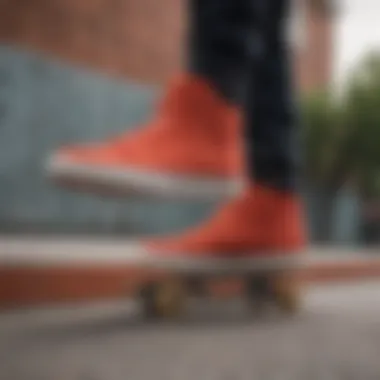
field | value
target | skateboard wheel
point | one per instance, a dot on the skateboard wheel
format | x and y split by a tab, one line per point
288	303
163	299
278	289
259	292
286	291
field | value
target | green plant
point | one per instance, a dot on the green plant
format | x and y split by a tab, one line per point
342	138
362	123
322	140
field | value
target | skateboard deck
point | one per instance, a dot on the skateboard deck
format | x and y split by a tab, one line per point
174	280
266	281
214	265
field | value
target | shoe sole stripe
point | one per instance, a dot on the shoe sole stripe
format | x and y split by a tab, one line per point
100	253
134	181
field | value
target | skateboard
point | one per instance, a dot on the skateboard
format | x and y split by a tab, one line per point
263	284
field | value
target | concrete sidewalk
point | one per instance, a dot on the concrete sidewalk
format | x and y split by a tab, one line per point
56	269
336	336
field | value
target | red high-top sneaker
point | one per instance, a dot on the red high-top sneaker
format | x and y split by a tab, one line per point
191	149
263	228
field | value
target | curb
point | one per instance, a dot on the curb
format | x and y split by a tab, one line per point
21	286
24	284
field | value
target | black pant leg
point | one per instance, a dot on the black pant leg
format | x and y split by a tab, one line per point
224	38
271	113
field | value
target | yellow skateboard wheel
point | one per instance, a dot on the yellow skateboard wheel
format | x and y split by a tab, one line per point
164	298
277	288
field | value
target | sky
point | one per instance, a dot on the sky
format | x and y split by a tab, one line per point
357	32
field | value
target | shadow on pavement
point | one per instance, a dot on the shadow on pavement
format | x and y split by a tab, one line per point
213	320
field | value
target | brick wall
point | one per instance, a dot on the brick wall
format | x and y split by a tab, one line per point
135	38
314	60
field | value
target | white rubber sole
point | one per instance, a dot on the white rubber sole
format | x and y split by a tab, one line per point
99	252
134	181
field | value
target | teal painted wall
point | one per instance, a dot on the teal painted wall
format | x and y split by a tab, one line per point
44	104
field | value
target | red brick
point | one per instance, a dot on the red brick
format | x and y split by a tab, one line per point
141	39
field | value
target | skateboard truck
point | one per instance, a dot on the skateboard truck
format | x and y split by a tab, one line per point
167	297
